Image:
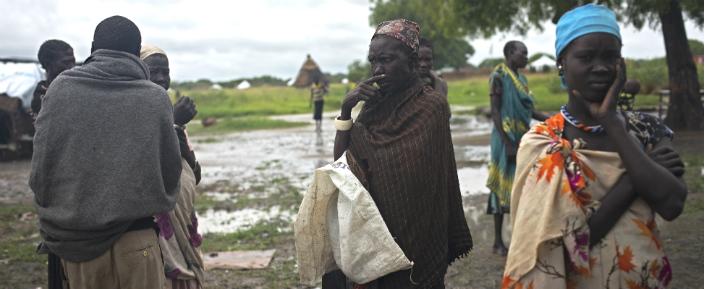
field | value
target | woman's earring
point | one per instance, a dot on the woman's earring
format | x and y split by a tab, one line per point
561	73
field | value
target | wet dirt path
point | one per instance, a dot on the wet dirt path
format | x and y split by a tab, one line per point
251	160
252	186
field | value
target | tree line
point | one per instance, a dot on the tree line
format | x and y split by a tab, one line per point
451	23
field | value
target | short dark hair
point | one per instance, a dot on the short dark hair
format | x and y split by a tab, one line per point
50	50
425	42
117	33
510	46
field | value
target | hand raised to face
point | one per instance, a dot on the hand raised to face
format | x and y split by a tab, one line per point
600	111
184	111
365	91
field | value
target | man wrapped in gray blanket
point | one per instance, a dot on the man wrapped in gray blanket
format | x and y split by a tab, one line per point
106	159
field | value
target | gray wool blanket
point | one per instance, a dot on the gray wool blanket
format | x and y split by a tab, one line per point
105	155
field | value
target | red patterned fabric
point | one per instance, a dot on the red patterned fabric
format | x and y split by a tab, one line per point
403	30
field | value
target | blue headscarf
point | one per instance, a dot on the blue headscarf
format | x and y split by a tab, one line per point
583	20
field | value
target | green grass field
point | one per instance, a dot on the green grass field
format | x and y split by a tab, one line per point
247	109
259	101
545	87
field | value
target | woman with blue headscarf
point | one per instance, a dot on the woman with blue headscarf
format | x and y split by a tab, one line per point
591	179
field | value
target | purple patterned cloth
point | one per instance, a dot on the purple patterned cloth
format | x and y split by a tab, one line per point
403	30
166	230
173	274
178	235
194	237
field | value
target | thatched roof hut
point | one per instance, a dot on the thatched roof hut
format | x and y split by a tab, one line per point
309	70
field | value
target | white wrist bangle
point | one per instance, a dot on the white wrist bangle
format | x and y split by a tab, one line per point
343	125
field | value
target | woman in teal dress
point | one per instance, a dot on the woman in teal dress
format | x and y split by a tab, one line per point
512	109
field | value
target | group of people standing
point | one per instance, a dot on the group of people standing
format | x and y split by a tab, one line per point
114	175
583	186
113	172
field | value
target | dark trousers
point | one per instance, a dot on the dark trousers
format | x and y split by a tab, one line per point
335	280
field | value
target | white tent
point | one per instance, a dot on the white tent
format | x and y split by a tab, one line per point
244	85
541	63
19	80
216	86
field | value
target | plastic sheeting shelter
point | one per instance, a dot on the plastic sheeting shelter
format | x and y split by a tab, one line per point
19	80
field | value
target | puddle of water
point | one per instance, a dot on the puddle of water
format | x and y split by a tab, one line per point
471	155
221	221
259	162
475	208
470	125
220	197
261	155
472	180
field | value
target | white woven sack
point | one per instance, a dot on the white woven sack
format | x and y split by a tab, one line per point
339	226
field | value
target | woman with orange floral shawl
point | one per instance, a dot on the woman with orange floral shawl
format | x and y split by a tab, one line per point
590	179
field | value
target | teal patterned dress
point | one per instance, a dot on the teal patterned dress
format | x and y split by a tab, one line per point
516	111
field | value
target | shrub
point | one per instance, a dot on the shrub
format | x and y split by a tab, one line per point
651	73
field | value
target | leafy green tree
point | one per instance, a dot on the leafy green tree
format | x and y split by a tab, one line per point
255	81
335	78
696	47
358	71
490	62
450	46
685	110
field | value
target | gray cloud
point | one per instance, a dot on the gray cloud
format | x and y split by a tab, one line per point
225	40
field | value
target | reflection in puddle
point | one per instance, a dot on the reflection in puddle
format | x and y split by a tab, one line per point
471	155
472	180
258	163
291	155
475	207
220	221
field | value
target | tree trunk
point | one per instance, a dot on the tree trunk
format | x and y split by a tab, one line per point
685	109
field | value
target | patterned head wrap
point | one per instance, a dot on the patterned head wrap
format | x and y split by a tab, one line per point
583	20
148	50
403	30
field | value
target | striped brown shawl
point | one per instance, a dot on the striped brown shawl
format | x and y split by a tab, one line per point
402	152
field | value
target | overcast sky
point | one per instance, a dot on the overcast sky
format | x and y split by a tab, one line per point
223	40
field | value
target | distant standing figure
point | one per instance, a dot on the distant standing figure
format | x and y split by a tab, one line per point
55	56
426	68
512	107
178	229
319	89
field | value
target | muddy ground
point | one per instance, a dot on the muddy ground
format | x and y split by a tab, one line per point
253	183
